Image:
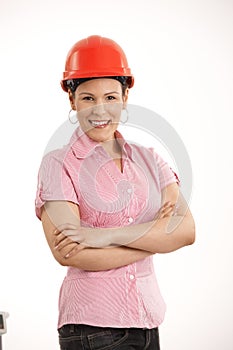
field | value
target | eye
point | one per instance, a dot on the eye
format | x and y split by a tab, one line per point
88	98
110	98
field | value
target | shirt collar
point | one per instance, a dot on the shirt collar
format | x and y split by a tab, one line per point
83	146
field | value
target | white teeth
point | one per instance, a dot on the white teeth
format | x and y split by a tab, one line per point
98	123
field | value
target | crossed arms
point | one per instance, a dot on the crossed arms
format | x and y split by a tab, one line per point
96	249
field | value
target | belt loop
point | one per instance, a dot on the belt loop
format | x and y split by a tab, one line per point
147	337
72	330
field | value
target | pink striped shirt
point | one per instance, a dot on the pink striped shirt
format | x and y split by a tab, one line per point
83	173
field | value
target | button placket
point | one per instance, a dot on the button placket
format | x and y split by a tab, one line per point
130	220
132	272
129	173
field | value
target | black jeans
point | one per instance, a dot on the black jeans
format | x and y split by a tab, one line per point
83	337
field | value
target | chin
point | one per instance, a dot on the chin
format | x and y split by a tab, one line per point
99	135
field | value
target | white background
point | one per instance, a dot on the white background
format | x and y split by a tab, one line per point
181	53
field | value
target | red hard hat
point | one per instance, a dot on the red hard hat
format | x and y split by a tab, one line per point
96	56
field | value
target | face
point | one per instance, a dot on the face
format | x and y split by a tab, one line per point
99	103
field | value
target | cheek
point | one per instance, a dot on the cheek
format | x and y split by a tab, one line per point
114	109
83	113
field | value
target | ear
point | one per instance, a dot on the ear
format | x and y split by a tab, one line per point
125	98
71	98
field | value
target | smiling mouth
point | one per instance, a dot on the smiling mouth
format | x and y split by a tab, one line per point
99	123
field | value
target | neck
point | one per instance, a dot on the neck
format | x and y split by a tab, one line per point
112	147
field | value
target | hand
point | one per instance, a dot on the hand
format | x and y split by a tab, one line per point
67	234
66	246
166	210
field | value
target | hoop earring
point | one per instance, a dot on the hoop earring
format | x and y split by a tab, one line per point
70	116
127	116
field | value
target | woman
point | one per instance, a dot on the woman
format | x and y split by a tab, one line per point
106	207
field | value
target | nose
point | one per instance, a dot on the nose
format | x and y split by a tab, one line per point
99	109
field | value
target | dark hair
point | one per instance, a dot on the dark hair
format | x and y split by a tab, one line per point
72	84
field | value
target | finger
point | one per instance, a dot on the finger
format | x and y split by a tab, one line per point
67	249
61	235
64	243
59	238
169	213
75	250
162	209
67	231
71	233
65	239
74	235
168	208
166	205
63	227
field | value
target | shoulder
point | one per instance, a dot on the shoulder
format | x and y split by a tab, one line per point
57	156
145	152
154	162
139	149
63	151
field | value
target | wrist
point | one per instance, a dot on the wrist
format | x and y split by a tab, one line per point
114	236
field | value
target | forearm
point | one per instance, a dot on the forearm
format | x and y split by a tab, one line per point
93	259
98	259
162	236
165	234
156	238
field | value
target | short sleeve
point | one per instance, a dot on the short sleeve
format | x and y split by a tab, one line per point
166	175
54	181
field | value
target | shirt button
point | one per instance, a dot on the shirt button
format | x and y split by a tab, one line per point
130	220
131	277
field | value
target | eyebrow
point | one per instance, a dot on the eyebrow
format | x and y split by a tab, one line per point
108	93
